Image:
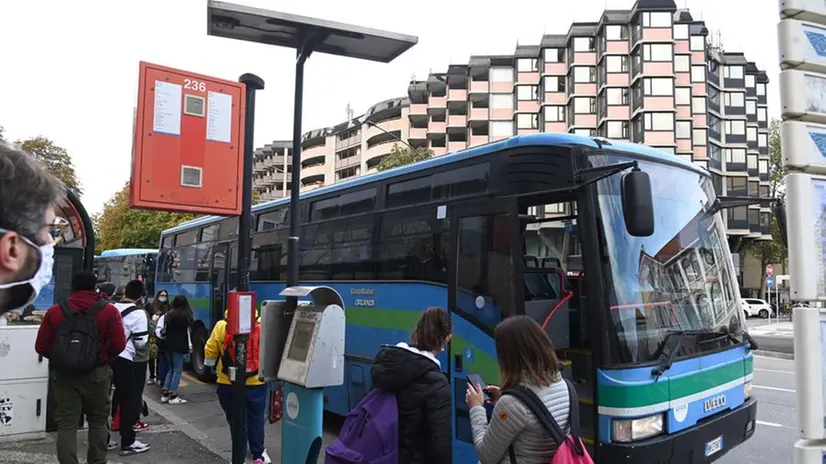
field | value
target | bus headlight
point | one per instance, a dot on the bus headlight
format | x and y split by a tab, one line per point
747	390
628	430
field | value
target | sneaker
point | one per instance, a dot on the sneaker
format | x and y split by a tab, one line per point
177	400
136	447
140	426
111	444
266	457
164	399
151	382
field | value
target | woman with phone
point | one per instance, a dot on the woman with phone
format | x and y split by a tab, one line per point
515	435
413	372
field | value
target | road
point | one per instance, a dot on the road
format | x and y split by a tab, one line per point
778	341
773	440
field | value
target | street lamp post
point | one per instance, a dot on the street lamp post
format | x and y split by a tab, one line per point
305	35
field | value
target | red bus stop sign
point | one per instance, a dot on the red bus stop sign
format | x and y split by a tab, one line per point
769	269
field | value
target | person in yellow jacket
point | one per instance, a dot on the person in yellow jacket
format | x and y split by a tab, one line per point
257	393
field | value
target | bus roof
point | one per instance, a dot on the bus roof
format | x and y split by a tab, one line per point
126	252
545	138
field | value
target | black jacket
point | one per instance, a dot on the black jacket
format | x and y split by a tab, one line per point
423	397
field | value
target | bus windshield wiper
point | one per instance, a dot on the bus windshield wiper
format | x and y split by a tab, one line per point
746	339
667	352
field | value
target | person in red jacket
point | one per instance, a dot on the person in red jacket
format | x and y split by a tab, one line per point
76	394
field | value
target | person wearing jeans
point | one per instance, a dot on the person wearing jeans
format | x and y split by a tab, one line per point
174	328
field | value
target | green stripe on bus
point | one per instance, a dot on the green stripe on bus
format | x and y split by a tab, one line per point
633	396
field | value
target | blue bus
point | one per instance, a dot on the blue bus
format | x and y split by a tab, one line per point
119	266
648	327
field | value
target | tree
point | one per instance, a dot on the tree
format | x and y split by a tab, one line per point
56	159
119	226
772	251
2	140
402	156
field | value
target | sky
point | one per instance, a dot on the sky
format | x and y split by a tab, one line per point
82	56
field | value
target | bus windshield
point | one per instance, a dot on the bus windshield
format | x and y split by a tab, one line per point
680	279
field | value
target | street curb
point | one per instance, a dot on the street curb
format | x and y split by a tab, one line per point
183	426
774	354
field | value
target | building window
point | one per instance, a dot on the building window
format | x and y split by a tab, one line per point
501	74
501	101
669	150
735	99
554	55
735	155
585	74
617	95
761	90
616	32
735	127
527	121
501	128
751	107
750	81
683	129
762	139
554	114
762	114
698	137
698	105
698	43
682	96
733	72
617	130
584	44
656	19
527	92
554	83
585	105
657	52
585	132
682	63
616	63
527	65
751	134
659	121
681	31
658	86
763	166
698	73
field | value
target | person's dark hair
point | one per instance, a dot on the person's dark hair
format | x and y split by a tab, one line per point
432	330
181	311
134	290
84	281
157	306
525	353
27	190
119	293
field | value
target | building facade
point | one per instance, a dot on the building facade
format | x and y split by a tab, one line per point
649	75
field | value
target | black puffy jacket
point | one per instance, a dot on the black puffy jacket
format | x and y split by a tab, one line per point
423	397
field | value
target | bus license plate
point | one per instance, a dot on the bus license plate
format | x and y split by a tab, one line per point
714	446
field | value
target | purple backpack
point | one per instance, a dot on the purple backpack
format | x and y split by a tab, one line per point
370	433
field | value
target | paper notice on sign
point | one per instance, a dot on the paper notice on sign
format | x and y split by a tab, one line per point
244	314
167	108
219	117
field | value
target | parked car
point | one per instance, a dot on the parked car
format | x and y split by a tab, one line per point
756	307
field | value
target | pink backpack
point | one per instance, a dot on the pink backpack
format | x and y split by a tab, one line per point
571	450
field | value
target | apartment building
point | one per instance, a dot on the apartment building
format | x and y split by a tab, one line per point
650	75
272	170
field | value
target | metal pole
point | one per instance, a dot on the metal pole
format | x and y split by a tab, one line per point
252	83
295	182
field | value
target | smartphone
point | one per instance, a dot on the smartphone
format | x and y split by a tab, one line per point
477	381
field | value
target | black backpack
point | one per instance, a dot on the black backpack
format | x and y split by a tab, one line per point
76	348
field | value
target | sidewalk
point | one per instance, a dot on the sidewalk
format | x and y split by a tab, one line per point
778	329
202	419
169	445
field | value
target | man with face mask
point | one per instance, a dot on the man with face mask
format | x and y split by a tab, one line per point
27	228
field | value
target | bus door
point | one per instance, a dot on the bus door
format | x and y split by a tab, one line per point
484	266
219	281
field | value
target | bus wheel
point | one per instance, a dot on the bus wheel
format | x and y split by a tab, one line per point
199	339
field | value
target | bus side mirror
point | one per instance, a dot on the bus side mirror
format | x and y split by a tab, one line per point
780	216
637	203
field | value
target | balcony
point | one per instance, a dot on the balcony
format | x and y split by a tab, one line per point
585	58
418	109
318	150
373	154
558	69
417	133
476	140
436	127
528	78
382	127
437	102
479	86
653	69
658	137
453	147
527	106
457	94
479	114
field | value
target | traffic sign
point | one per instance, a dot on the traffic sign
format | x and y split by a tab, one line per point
769	281
769	269
189	142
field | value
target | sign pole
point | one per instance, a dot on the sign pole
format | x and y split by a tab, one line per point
252	83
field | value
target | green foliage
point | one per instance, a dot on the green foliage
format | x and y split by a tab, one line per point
55	158
772	251
119	226
402	156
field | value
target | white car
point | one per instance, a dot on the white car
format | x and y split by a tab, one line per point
755	307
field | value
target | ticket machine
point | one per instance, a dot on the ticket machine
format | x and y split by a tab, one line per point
313	358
